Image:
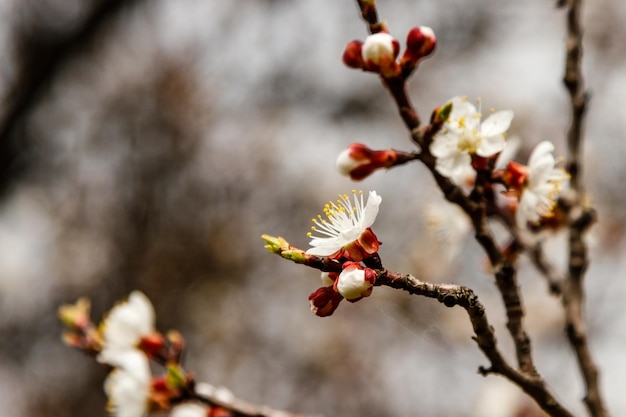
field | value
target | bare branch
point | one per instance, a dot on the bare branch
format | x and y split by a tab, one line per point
454	295
239	408
580	218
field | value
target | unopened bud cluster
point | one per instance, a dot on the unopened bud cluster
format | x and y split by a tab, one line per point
379	52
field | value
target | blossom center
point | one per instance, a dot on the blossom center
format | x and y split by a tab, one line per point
469	142
341	215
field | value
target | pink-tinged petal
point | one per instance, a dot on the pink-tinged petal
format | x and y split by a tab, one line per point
497	123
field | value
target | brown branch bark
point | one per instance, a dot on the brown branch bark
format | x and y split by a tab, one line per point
239	408
504	272
580	218
454	295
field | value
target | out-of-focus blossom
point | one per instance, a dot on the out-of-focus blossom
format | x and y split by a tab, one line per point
128	327
346	230
447	225
464	136
190	410
128	392
542	183
355	282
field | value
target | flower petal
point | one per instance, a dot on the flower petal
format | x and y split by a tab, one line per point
542	150
453	165
371	210
497	123
491	145
444	145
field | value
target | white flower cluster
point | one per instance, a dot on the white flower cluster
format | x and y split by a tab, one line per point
465	141
128	386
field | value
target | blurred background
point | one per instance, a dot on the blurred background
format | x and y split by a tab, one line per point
148	144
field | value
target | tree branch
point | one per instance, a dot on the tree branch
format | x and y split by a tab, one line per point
454	295
580	218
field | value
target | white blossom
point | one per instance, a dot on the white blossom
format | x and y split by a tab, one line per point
345	221
464	135
128	392
447	224
544	184
124	327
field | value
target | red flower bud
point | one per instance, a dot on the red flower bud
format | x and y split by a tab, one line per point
152	345
324	301
352	55
514	176
420	42
358	161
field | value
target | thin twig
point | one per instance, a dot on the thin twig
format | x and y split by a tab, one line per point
504	272
580	218
237	407
454	295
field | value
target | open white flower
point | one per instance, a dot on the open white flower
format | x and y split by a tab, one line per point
463	135
346	227
128	392
543	185
124	327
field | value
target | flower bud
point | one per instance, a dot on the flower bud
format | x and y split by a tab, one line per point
152	344
275	244
514	176
352	55
329	278
420	42
379	52
358	161
76	315
355	282
324	301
